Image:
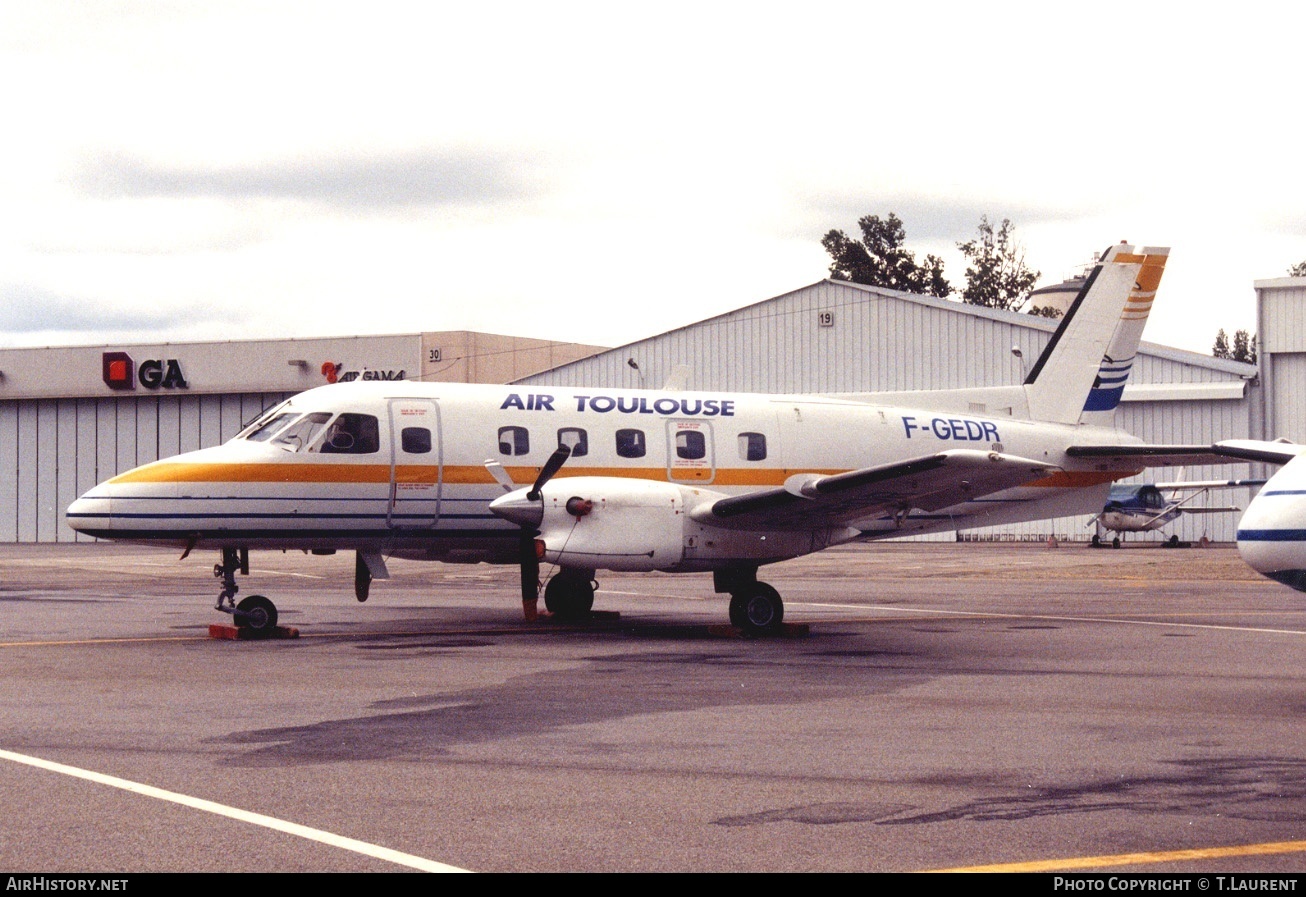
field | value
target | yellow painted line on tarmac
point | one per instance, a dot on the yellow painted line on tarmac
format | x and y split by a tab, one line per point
55	643
269	822
1071	864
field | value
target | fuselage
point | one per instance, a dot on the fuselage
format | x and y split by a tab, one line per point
400	468
1272	531
1136	509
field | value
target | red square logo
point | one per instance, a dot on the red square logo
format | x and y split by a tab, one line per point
119	370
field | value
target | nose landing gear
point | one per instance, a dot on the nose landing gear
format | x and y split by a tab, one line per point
255	614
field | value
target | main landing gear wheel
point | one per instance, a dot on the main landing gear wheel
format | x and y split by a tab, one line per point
257	614
757	611
570	596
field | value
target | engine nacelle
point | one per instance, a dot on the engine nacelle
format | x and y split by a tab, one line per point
613	523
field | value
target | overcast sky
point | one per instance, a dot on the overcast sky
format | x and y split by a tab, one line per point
599	173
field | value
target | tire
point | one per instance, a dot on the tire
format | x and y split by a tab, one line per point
257	614
760	611
738	610
569	596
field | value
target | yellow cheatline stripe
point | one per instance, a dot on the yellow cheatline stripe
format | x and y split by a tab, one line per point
1138	859
270	822
475	474
1129	258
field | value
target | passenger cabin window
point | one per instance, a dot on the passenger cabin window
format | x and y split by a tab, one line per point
691	445
269	429
351	434
416	440
575	437
752	446
300	435
630	444
514	441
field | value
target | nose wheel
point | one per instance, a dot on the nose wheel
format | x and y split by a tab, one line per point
255	613
570	594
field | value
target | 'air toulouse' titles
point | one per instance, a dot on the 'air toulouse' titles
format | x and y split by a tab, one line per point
627	405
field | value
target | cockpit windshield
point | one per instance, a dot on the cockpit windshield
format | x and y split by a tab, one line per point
261	432
301	433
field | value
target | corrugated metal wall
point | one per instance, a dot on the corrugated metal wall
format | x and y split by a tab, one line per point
1281	313
59	448
877	339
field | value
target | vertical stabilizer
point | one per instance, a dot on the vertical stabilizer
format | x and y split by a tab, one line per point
1081	374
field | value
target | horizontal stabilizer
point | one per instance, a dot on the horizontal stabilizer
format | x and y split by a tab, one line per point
1277	452
1125	456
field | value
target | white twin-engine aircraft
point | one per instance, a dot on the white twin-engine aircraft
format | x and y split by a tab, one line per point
590	479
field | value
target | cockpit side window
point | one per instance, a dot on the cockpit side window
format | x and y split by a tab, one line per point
351	434
300	435
263	432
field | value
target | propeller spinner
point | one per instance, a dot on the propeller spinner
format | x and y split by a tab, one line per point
525	507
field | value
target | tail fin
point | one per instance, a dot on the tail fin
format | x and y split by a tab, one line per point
1081	374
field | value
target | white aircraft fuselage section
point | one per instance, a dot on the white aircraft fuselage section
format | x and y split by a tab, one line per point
400	468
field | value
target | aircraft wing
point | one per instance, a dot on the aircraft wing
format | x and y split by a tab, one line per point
927	483
1125	456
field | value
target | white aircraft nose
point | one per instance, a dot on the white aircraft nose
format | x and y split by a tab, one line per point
89	513
1272	532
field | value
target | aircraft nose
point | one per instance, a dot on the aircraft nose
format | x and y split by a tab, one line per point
90	512
1272	536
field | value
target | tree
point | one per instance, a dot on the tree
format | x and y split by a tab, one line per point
997	276
1221	347
1044	311
1244	346
879	259
1297	270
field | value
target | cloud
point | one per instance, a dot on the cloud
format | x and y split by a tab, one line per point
373	181
924	218
29	310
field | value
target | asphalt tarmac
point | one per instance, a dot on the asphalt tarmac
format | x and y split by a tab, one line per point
953	706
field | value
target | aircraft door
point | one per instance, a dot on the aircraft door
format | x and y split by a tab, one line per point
691	455
416	464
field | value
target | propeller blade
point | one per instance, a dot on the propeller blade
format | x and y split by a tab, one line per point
500	475
551	466
530	568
